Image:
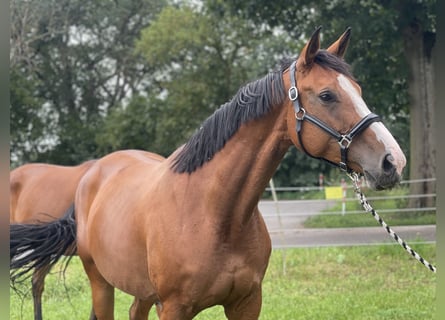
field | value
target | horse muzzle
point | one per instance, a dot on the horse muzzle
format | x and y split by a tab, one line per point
388	175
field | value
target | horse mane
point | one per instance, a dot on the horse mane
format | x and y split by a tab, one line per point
251	102
330	61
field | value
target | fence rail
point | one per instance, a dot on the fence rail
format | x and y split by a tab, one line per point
299	190
320	188
285	218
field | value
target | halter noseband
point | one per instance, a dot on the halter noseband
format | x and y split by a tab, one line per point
344	140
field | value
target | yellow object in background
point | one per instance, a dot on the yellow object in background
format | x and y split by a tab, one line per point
333	192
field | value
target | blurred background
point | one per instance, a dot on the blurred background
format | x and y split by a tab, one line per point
88	78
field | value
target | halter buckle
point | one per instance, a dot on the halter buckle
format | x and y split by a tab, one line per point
293	93
345	141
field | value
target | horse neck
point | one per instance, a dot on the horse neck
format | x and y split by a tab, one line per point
234	180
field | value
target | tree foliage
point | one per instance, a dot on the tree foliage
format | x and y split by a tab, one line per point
201	58
27	123
78	56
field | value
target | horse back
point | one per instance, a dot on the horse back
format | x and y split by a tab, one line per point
43	192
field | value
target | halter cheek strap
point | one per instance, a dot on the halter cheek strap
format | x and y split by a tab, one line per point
344	140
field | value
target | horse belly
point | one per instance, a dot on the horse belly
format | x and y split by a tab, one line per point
119	252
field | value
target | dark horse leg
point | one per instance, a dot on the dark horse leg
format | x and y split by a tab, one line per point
38	285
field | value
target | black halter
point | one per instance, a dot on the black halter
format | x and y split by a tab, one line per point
344	140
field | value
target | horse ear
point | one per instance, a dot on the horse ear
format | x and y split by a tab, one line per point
307	55
339	47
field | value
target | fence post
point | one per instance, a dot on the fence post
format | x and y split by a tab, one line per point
343	203
320	181
277	208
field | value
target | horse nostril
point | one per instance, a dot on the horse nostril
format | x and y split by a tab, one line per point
388	164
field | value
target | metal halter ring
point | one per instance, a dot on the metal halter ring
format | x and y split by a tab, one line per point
303	113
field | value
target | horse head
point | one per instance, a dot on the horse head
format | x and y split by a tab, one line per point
329	119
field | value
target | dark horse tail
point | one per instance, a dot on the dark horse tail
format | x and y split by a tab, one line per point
33	246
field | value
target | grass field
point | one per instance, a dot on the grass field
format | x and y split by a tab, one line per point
365	219
370	282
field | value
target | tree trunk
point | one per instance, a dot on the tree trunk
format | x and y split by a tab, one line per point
419	47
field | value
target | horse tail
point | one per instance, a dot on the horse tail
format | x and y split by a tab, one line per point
35	245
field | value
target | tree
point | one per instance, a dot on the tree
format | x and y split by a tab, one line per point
416	21
27	125
79	57
137	125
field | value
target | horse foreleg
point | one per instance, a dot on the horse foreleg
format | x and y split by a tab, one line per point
38	285
247	308
139	309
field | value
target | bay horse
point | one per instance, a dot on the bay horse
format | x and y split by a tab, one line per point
40	193
185	233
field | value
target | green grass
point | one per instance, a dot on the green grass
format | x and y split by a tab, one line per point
372	282
367	220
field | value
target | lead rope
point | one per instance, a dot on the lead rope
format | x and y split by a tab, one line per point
368	208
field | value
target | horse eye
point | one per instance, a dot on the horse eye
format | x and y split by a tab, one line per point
327	96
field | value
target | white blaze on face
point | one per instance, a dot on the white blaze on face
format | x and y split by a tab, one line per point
382	134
